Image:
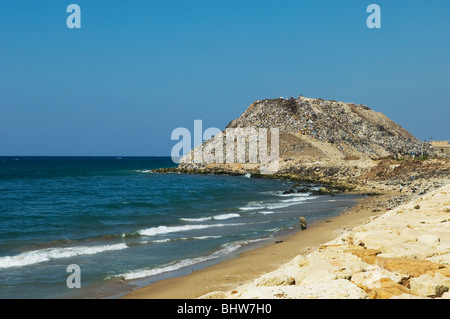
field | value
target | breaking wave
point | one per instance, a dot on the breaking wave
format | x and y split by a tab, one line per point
43	255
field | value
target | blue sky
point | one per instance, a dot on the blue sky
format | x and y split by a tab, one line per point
136	70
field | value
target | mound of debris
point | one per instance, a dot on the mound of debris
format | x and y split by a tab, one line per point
353	130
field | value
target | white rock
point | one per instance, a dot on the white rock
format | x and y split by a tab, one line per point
380	239
427	285
298	261
441	259
372	277
428	239
446	295
276	280
318	276
334	289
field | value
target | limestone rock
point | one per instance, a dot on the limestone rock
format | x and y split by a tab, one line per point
368	255
298	261
408	266
430	286
276	280
443	271
334	289
372	278
318	276
412	250
446	295
428	239
387	289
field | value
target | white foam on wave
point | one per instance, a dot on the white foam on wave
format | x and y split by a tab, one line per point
217	217
176	265
297	199
165	268
293	195
287	202
167	240
226	216
267	212
153	231
43	255
291	200
204	237
200	219
253	206
145	171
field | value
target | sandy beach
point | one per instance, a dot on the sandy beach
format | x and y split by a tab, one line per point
363	253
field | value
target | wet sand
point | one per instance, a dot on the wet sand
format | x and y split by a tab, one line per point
254	263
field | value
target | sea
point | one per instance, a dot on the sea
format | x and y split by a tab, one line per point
99	227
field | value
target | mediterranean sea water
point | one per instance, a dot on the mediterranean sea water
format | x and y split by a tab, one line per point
125	226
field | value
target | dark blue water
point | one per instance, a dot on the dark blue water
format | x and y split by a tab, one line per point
122	224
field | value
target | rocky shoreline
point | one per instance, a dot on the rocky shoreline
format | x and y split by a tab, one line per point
403	253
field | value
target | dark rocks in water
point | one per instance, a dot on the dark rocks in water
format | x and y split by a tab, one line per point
321	191
324	191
